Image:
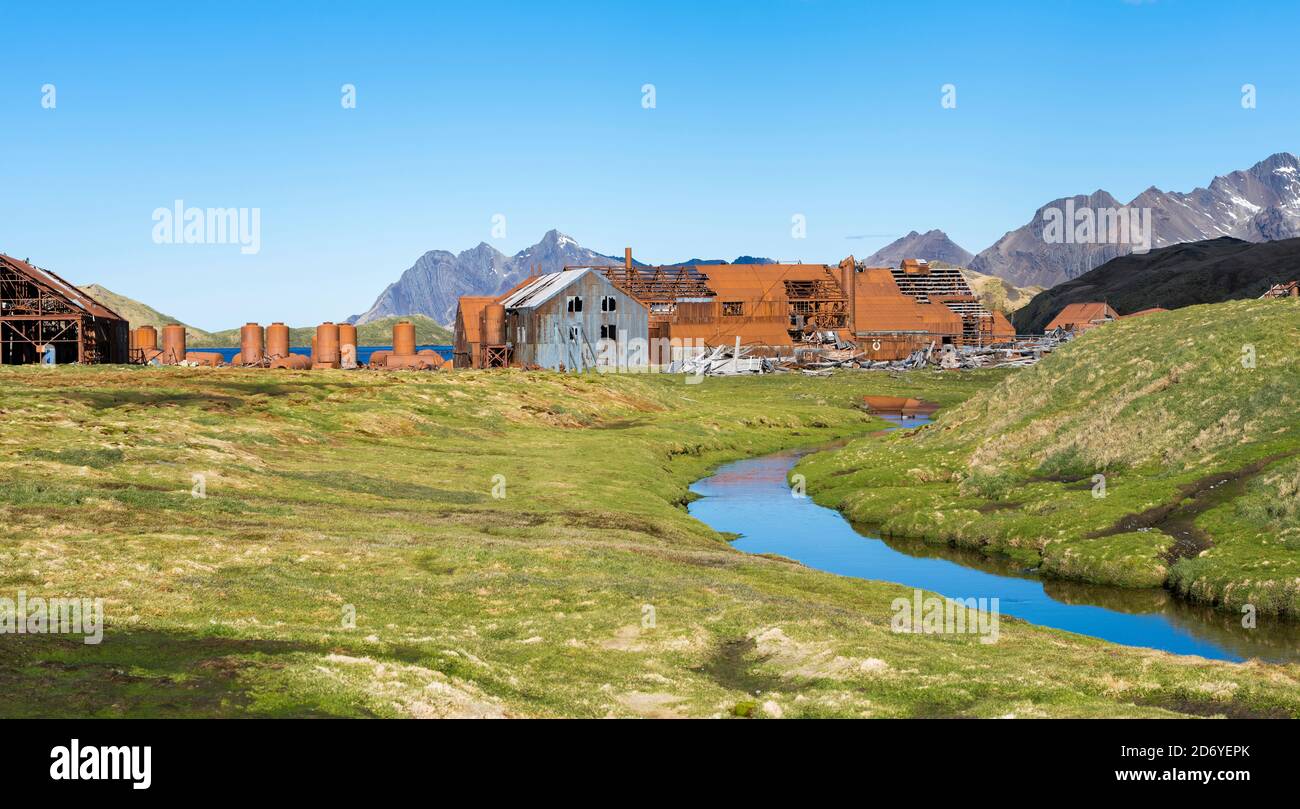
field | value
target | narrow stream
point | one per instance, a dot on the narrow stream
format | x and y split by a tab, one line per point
752	498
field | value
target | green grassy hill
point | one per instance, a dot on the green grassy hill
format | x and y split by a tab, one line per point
377	333
380	332
1198	453
140	314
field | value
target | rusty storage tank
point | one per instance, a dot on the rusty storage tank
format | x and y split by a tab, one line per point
277	340
494	325
327	344
250	344
173	344
347	345
347	334
313	350
146	337
404	338
238	359
379	359
293	362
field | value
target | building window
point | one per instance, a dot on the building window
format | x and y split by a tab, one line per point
573	334
609	332
733	308
608	303
575	303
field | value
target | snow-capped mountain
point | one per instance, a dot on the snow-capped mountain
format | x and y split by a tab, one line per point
1259	204
438	278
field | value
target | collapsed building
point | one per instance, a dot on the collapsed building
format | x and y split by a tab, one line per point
43	318
1289	290
889	313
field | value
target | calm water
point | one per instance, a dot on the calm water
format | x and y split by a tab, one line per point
752	498
363	352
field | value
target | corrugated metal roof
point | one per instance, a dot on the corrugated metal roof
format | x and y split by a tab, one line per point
543	288
59	287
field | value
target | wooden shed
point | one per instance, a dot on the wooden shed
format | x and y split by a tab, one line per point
40	309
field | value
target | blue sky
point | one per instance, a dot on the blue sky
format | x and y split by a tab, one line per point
764	109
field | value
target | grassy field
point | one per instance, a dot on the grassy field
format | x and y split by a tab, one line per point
1196	451
485	544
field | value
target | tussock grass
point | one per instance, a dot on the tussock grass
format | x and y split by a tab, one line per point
1155	404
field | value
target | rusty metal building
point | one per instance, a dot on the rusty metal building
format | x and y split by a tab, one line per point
772	308
39	309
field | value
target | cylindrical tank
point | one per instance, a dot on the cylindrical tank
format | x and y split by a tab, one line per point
313	350
347	334
173	344
404	338
494	323
250	344
277	340
146	337
238	359
379	359
347	345
327	344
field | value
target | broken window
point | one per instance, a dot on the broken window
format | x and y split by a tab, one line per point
608	303
575	303
609	332
573	333
733	308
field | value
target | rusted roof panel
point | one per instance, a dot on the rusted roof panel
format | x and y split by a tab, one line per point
60	287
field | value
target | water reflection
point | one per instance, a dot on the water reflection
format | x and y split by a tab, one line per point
753	499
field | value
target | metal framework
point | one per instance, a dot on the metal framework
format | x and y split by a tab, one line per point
660	288
819	305
496	356
38	309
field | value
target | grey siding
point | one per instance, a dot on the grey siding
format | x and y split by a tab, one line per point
541	334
